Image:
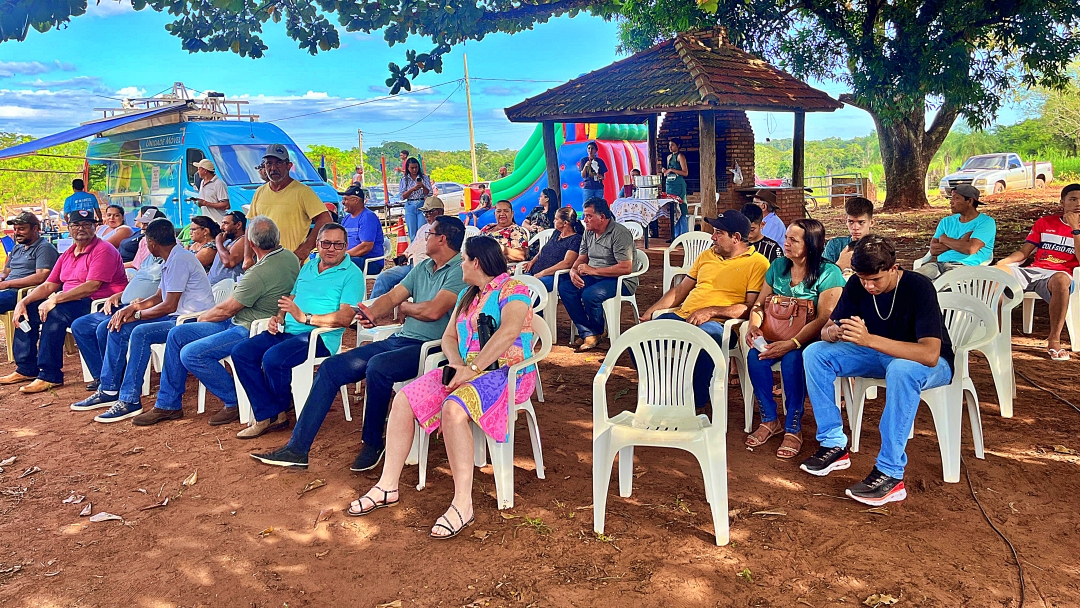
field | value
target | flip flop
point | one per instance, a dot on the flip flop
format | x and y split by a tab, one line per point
1058	354
448	527
374	505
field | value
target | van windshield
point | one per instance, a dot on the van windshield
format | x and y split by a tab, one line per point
236	164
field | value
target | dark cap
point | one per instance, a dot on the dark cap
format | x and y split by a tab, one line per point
967	191
353	190
24	219
768	196
732	222
81	215
149	215
278	151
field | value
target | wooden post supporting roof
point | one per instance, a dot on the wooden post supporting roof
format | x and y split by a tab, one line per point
798	151
707	161
551	156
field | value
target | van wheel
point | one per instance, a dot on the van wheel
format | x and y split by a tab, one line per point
1040	182
999	187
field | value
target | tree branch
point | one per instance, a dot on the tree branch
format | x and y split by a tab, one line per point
940	127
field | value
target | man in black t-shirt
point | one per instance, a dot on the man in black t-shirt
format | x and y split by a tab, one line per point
888	325
762	244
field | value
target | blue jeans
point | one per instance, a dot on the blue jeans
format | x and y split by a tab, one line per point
587	193
91	333
413	218
382	363
703	369
825	362
548	281
761	377
361	262
199	348
586	305
44	358
127	353
8	299
388	279
264	365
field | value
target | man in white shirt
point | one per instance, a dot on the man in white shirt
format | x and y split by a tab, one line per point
213	193
416	253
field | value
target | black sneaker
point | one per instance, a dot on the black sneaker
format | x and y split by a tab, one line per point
878	489
367	459
283	457
96	401
93	386
826	460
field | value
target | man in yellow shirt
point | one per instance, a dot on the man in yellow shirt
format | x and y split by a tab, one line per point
723	283
292	205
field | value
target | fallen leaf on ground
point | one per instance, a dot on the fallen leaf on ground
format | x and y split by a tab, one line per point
764	513
190	481
157	505
507	516
880	599
324	515
53	573
74	499
29	472
321	554
878	510
267	532
5	462
105	516
318	483
393	604
481	534
1060	449
85	511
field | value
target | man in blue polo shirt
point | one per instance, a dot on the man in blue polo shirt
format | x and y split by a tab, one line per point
364	230
81	200
325	292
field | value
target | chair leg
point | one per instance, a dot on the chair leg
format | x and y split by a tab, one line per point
480	450
714	470
534	437
626	471
202	397
855	398
502	467
345	402
947	419
421	443
1029	314
539	386
1001	368
975	419
303	376
603	459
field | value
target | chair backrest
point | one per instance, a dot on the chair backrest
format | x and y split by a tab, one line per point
259	326
537	290
471	231
541	237
665	353
635	229
998	289
968	320
693	243
223	289
9	244
641	262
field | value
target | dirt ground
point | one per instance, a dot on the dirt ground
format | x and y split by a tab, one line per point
245	535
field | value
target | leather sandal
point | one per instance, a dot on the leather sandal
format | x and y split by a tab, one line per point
448	527
790	447
374	505
763	434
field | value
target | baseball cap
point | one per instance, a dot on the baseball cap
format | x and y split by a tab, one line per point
732	221
432	202
205	163
353	190
149	215
79	216
768	196
967	191
25	218
278	151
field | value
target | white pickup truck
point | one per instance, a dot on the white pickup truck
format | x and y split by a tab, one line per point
994	173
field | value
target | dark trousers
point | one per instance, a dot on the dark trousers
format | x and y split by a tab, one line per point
585	305
8	299
44	358
264	363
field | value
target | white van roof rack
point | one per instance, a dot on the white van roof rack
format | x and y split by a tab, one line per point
209	106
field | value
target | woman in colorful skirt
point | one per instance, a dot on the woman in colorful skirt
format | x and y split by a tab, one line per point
474	394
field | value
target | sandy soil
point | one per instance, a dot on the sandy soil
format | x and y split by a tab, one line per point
245	535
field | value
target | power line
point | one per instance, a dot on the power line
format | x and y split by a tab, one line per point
367	101
515	80
426	116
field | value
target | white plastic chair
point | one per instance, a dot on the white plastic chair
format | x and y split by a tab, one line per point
1001	292
1072	315
541	238
242	401
693	244
471	231
919	263
613	305
635	229
971	325
693	215
95	306
540	307
665	352
303	375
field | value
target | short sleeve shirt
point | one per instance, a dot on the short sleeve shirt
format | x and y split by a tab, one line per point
321	293
25	260
779	278
983	227
607	249
80	200
260	288
183	273
292	209
768	248
364	228
595	181
834	247
417	249
723	281
555	251
511	237
407	182
773	227
214	191
1054	244
100	261
423	283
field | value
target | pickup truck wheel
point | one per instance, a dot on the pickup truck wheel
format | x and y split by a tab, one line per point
999	188
1040	182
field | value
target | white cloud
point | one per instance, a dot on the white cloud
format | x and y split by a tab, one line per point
108	8
17	112
31	68
131	92
91	83
315	95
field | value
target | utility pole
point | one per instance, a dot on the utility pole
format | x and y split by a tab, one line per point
360	143
468	107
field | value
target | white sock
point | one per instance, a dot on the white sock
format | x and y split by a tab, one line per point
110	393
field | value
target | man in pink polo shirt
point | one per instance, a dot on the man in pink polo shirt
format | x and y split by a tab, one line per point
89	270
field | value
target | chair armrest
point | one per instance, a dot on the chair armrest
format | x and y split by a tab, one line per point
733	325
98	305
555	281
313	343
426	350
919	262
180	320
631	275
258	326
662	311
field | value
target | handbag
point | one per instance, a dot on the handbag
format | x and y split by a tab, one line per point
785	317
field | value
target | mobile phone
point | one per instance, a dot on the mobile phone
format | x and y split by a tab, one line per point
447	375
360	311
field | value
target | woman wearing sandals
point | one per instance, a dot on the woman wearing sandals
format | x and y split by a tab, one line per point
804	274
473	393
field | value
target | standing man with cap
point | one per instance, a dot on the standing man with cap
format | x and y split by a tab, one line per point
364	230
91	269
291	205
771	225
81	200
213	193
30	261
965	238
415	253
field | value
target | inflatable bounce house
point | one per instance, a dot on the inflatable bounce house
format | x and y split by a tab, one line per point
622	147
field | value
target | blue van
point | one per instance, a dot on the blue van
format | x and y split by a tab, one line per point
153	165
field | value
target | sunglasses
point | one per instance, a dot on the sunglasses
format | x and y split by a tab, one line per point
338	245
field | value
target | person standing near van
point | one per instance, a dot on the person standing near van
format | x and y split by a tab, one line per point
81	200
213	193
293	206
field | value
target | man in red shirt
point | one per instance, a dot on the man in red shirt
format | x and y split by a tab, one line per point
1052	241
89	270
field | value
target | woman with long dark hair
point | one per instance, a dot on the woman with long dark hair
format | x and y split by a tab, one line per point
542	216
114	230
561	249
801	273
204	233
414	188
675	172
473	394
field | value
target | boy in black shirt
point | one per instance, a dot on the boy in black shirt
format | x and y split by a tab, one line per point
888	325
763	244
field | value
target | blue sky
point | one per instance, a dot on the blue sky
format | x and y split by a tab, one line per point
52	81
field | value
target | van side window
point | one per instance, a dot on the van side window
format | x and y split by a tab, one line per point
194	155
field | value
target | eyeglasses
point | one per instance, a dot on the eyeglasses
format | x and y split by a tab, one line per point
429	211
338	245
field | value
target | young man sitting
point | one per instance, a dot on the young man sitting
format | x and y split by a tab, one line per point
860	219
1052	242
888	325
965	238
761	243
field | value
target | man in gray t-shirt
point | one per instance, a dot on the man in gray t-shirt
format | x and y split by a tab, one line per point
607	252
30	260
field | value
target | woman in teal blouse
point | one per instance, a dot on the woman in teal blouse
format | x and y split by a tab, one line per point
675	173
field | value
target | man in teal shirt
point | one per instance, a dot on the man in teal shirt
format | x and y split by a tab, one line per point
323	296
433	285
965	238
81	200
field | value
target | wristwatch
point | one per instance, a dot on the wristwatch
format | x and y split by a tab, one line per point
307	318
138	315
1075	232
476	370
